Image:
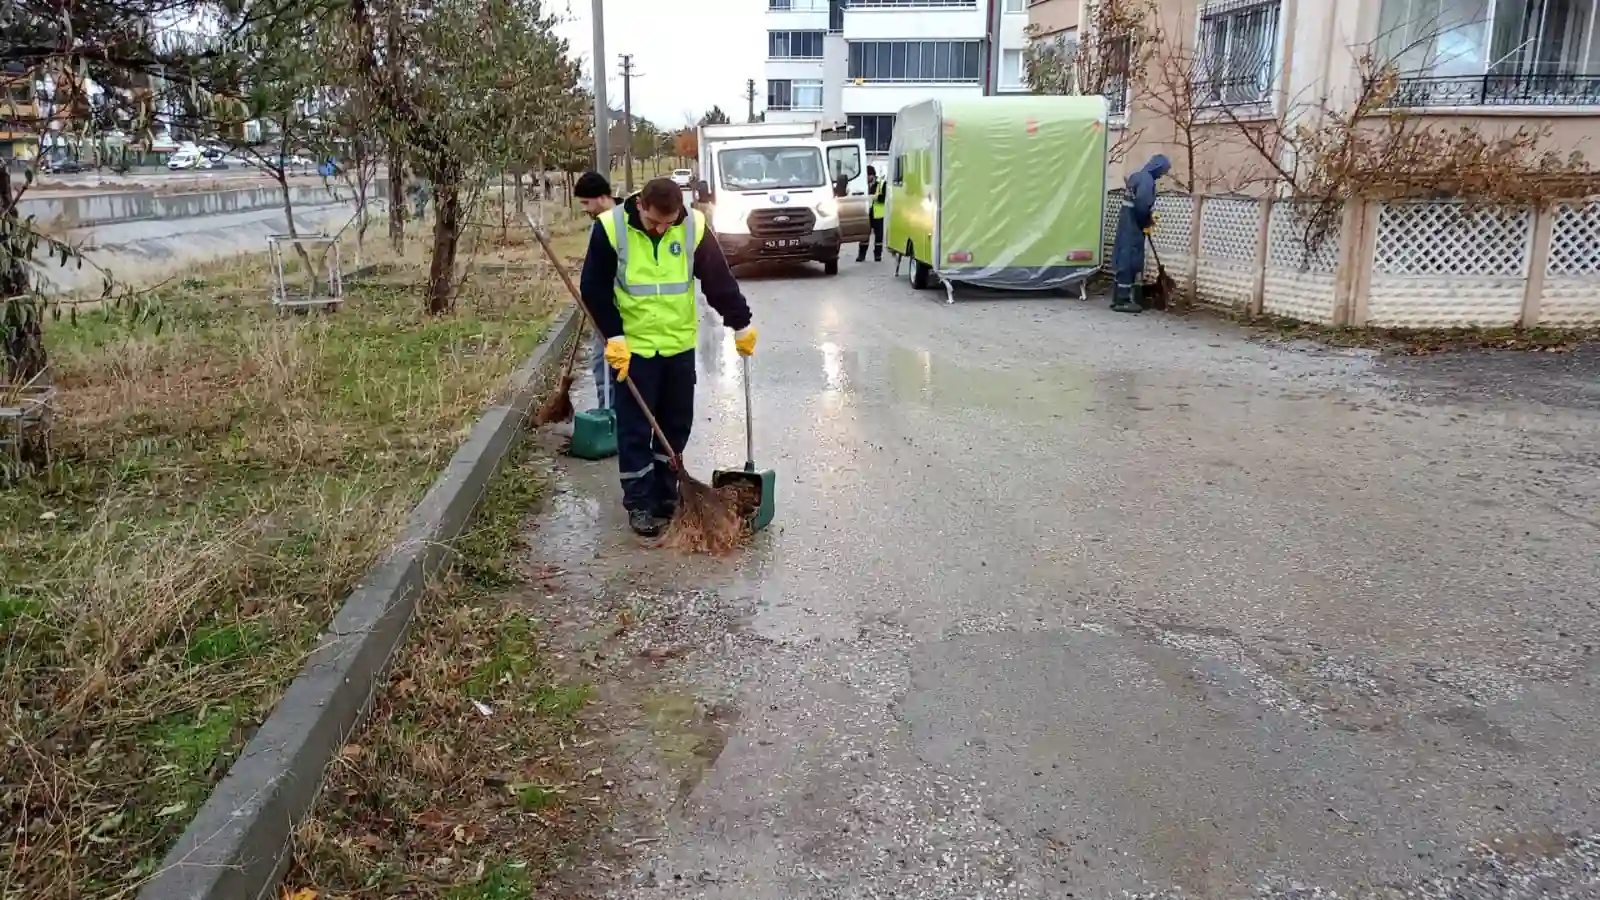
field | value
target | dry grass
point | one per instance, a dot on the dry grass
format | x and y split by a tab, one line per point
475	777
223	477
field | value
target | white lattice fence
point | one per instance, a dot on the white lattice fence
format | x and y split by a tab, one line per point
1172	237
1444	265
1571	294
1112	213
1226	274
1302	262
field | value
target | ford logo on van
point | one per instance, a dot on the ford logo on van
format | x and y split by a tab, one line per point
780	219
779	197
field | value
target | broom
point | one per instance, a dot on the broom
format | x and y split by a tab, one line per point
707	519
558	406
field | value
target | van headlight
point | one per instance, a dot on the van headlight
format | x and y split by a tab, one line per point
828	208
727	220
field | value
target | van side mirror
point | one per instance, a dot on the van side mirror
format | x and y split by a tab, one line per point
702	192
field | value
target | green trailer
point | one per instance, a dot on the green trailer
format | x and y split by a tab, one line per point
1001	192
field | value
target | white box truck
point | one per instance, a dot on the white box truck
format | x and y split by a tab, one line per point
779	191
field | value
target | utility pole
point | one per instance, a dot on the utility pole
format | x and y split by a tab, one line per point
750	99
602	112
627	121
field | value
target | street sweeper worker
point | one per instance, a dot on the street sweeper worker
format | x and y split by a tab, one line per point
877	188
594	195
638	281
1133	224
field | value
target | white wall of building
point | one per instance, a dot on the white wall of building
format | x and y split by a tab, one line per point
794	68
897	23
797	21
890	98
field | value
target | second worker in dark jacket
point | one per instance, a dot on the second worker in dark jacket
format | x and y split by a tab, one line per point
638	282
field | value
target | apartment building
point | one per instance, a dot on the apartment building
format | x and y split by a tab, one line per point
858	62
1489	65
1239	69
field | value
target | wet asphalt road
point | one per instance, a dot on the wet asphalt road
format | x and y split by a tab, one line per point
1062	603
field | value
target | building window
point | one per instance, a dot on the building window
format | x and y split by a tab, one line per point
1493	52
1016	6
1114	80
796	5
794	44
1238	51
876	130
786	94
20	93
935	61
835	16
1011	69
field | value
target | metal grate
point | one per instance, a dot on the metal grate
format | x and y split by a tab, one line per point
1498	90
1450	239
795	222
1292	245
1229	228
1575	240
1237	58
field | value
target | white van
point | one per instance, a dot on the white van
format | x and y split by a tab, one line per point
188	158
769	192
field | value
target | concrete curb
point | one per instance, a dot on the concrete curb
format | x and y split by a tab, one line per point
238	845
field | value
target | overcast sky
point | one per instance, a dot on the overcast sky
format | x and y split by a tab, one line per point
690	53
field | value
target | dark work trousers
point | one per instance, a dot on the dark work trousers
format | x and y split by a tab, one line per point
877	243
667	385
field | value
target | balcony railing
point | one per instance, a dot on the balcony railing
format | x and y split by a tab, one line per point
909	4
1498	90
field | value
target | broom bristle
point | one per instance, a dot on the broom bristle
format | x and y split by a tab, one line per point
707	519
558	406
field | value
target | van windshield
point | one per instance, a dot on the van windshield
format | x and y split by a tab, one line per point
770	168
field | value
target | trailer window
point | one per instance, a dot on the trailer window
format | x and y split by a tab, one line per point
900	169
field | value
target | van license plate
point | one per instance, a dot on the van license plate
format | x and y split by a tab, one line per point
780	244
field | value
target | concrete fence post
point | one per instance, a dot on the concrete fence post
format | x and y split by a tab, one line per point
1258	281
1196	217
1355	255
1544	222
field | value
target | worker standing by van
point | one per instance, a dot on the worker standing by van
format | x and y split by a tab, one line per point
1133	228
878	189
638	281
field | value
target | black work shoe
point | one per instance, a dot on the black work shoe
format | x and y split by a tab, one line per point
665	511
1129	307
861	258
643	523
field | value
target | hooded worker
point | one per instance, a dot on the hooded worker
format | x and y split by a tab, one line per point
1134	223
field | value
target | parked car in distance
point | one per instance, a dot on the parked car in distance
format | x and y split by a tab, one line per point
683	177
184	159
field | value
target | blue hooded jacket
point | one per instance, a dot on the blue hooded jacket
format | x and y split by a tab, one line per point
1138	213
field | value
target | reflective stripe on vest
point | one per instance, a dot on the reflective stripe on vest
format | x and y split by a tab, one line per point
619	237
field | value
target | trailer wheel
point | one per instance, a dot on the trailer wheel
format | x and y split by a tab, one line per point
921	272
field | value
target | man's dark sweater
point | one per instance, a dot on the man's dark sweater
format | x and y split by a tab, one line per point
598	282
